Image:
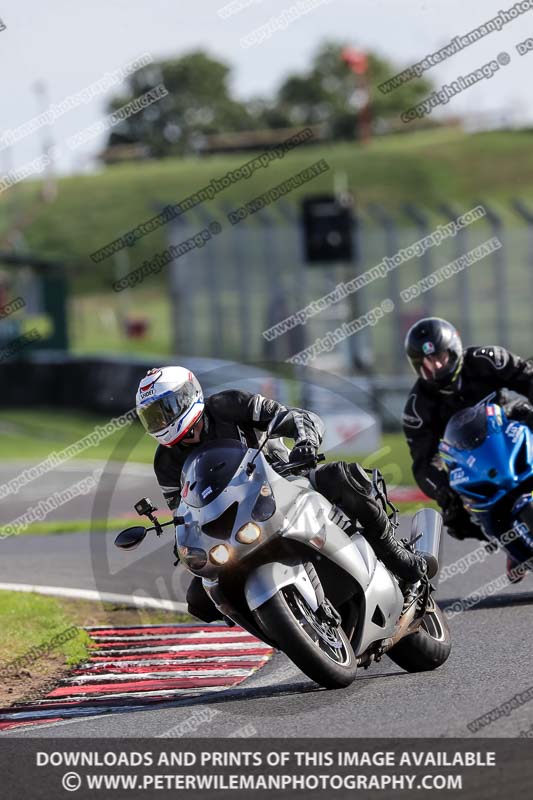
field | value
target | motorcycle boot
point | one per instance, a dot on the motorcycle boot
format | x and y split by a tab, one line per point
350	488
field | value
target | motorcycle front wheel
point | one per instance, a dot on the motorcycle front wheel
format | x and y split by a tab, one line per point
319	648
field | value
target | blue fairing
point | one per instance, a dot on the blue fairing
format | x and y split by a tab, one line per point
500	462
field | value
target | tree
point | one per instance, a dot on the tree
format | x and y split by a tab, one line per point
199	103
325	93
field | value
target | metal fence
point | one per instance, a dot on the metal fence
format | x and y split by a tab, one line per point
253	275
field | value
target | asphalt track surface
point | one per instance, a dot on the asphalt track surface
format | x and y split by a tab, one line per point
120	486
490	660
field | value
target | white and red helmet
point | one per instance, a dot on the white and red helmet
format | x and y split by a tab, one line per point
169	402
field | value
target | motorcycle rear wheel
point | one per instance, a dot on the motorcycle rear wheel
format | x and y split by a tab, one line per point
426	649
320	649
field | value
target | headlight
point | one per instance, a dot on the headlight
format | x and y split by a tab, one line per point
219	555
192	557
265	505
249	533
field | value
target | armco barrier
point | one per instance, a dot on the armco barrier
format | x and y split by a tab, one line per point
99	385
107	385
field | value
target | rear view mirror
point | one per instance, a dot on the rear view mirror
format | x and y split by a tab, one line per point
130	538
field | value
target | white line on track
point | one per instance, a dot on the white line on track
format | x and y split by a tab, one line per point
115	638
171	648
210	625
138	676
149	662
101	597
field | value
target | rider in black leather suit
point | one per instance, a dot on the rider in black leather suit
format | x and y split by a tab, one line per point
241	415
451	378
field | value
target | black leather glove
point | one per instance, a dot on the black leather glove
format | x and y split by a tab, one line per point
451	506
456	518
452	511
447	498
303	453
520	410
443	494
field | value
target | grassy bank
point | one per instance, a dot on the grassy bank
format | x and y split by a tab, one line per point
31	621
424	168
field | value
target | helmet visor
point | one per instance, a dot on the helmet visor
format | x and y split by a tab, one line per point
437	368
167	408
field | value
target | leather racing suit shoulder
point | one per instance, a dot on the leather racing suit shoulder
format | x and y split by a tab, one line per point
423	429
485	369
237	414
503	368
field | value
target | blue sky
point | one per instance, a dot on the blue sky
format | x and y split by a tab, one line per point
68	45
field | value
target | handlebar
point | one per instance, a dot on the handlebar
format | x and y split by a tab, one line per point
283	468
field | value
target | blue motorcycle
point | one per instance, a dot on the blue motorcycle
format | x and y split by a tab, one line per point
489	459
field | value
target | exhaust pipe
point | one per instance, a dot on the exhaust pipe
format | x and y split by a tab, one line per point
426	528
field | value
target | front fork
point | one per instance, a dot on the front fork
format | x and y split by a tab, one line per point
263	583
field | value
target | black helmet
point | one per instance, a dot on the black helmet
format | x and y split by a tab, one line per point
428	339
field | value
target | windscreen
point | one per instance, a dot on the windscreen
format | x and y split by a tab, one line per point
467	429
208	470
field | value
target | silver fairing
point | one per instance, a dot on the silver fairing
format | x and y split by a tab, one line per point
244	490
302	515
307	520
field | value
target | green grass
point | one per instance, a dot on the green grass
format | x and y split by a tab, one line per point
97	323
28	620
392	459
113	525
425	167
33	435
